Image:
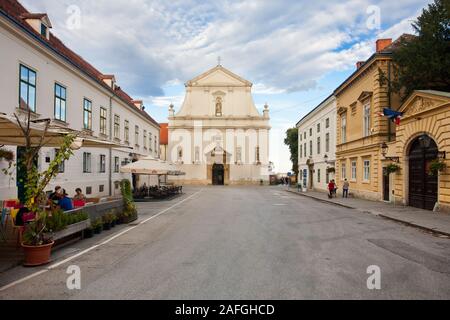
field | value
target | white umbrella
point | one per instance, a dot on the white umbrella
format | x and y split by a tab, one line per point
12	134
151	166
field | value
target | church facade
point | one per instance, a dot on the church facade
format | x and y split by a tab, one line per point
218	136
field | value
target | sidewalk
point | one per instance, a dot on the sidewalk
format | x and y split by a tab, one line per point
423	219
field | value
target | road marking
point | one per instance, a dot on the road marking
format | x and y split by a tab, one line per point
279	204
57	264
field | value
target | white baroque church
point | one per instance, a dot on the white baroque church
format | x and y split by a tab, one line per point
218	136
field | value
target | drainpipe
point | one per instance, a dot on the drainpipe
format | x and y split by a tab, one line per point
110	149
389	100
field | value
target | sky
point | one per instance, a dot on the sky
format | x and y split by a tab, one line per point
294	52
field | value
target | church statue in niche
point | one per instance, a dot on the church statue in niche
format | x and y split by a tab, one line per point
218	106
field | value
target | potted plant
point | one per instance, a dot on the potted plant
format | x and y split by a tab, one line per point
436	166
106	218
113	219
37	244
129	212
97	225
88	232
391	168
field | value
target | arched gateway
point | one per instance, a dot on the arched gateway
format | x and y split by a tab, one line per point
423	187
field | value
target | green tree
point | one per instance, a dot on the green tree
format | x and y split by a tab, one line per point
423	61
291	141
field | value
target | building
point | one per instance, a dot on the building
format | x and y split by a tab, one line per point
360	130
218	136
423	137
163	140
317	146
40	73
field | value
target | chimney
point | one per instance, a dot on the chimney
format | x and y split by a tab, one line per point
381	44
359	64
139	104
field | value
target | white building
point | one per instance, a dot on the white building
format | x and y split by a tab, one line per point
317	145
39	72
218	136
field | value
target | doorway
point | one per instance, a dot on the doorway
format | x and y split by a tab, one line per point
423	187
218	174
386	186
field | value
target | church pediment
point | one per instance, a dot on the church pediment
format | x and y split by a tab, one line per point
218	76
422	101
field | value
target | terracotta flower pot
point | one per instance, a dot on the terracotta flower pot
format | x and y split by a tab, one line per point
37	255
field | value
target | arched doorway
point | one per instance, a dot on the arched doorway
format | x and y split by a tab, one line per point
218	174
423	187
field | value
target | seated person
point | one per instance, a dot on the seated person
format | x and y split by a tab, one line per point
65	203
54	197
79	195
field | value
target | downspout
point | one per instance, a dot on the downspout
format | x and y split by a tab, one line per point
389	101
110	149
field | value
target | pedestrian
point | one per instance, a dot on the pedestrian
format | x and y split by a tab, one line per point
331	188
345	188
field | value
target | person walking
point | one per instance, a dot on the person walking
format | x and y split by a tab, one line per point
331	187
345	188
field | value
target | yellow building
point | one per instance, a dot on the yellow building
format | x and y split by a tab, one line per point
360	130
423	137
368	144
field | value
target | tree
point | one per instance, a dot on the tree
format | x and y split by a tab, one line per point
291	141
423	61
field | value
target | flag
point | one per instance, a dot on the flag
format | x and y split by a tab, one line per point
392	115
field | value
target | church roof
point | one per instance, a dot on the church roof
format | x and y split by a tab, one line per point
219	69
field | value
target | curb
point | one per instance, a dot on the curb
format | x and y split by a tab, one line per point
434	231
415	225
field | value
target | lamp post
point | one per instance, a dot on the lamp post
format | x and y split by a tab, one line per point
384	149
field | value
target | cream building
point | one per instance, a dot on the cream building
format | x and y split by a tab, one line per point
317	146
218	136
39	72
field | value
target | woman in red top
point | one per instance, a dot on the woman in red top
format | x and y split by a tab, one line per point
331	187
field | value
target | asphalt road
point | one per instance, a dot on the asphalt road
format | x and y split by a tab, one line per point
250	243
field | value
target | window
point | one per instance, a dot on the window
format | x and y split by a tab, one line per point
318	175
318	127
103	120
116	185
87	114
304	135
27	89
367	120
116	126
86	162
304	149
60	103
301	151
257	154
239	154
101	188
310	132
145	139
318	145
343	171
43	30
353	170
61	167
136	135
327	142
156	145
310	148
344	128
366	170
102	163
327	123
150	141
88	190
116	164
126	131
300	136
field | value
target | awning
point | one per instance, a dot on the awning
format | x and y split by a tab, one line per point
12	134
151	166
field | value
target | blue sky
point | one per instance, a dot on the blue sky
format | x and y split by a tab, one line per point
295	52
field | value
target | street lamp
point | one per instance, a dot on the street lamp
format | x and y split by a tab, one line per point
325	157
441	155
424	141
384	148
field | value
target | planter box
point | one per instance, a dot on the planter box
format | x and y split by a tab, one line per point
72	229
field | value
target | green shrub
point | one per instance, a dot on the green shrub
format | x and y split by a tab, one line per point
129	209
57	221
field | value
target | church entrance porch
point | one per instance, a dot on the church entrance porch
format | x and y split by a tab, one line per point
218	174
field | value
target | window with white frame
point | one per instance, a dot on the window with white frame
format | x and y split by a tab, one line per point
150	141
366	170
318	175
61	166
60	103
327	123
354	170
103	120
318	127
344	128
136	135
102	163
327	142
116	126
366	119
116	164
304	149
27	88
126	131
144	139
87	114
86	162
343	171
318	145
